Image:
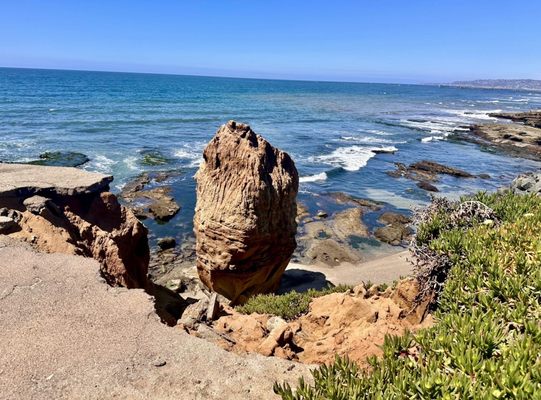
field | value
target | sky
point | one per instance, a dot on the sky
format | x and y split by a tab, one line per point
407	41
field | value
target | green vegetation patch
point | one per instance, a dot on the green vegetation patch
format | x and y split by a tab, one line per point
486	343
289	305
153	158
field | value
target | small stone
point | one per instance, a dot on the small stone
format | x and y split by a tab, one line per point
159	362
37	204
322	214
212	310
167	242
274	322
174	285
6	224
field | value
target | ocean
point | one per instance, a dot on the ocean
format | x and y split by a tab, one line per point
332	130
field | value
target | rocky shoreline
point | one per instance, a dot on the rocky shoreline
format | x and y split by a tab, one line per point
248	229
520	138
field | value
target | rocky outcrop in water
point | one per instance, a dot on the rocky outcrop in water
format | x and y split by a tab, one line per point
149	197
531	118
245	214
521	138
67	210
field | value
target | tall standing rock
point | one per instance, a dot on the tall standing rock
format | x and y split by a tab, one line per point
245	214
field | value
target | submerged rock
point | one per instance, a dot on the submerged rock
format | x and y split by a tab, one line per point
396	230
153	158
61	159
167	243
245	214
426	171
154	202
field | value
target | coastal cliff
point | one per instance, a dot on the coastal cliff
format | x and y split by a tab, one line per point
67	210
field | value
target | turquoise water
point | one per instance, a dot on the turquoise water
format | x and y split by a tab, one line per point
330	129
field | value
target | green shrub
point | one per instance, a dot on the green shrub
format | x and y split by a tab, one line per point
486	343
289	305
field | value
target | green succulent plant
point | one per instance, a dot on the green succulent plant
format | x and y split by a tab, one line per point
486	343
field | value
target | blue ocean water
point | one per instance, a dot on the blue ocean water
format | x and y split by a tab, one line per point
330	129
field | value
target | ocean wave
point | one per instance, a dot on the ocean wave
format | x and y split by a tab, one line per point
313	178
193	156
431	126
432	139
352	158
474	114
100	163
131	163
365	139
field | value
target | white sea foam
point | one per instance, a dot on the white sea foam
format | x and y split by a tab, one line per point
352	158
365	139
131	163
474	114
100	163
432	139
314	178
192	155
434	126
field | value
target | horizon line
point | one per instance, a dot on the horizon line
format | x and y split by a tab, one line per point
222	76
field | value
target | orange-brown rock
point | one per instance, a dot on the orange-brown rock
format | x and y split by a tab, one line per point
352	324
66	210
245	214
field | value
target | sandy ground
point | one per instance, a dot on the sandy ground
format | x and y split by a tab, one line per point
65	334
385	269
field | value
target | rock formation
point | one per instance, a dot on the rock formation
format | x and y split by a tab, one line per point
352	324
527	184
245	214
67	210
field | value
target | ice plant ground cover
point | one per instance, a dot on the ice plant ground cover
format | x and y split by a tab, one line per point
483	263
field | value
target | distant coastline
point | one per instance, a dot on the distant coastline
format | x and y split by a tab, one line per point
504	84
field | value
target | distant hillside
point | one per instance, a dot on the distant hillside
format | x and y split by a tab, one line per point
515	84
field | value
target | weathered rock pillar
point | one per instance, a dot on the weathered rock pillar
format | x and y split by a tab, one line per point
245	214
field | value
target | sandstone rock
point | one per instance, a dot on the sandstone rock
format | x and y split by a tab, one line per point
245	214
194	314
67	210
39	205
352	324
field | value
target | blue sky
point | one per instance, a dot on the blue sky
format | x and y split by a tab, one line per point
375	40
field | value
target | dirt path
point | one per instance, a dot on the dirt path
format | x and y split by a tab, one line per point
65	334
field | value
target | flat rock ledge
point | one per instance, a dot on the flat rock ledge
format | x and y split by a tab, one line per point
65	334
24	180
67	210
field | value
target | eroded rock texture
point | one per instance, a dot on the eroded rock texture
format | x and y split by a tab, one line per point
67	210
245	214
